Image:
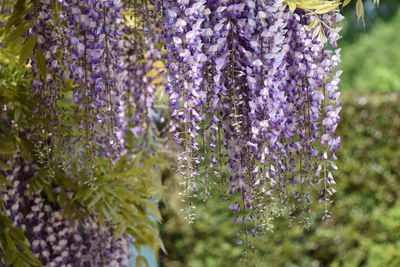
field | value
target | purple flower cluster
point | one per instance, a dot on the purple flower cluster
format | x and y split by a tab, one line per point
78	46
54	239
46	84
95	67
250	89
86	55
142	71
254	96
186	63
113	68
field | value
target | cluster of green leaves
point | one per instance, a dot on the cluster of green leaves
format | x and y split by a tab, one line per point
317	8
314	6
366	210
360	10
14	246
324	6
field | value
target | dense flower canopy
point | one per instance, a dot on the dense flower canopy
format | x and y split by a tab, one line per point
252	88
253	96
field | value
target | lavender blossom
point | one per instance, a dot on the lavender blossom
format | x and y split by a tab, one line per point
54	239
259	82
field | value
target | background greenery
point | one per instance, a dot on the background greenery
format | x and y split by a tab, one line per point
366	223
370	55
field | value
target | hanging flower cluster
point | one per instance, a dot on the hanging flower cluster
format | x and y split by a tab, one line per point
77	47
54	239
112	63
95	67
91	76
142	70
251	92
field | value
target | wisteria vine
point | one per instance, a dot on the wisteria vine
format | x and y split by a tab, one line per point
55	240
253	95
91	72
77	46
111	62
253	90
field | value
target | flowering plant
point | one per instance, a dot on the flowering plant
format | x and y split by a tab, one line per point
79	168
254	104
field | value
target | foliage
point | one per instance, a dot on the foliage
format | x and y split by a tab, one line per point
366	213
14	246
372	61
125	189
359	7
324	6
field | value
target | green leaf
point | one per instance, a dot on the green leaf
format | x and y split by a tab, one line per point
11	251
17	113
41	61
3	180
120	230
21	8
19	31
360	9
346	2
154	211
27	49
142	261
95	200
292	5
25	147
158	64
7	144
162	246
4	166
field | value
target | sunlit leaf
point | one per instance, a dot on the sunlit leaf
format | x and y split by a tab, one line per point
27	49
41	62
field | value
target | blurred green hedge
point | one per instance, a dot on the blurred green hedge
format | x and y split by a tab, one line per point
366	226
371	60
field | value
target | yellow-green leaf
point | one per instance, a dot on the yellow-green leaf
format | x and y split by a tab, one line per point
3	180
313	24
5	166
27	49
17	113
158	80
41	61
158	64
141	261
316	31
292	5
360	9
346	2
153	73
19	31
